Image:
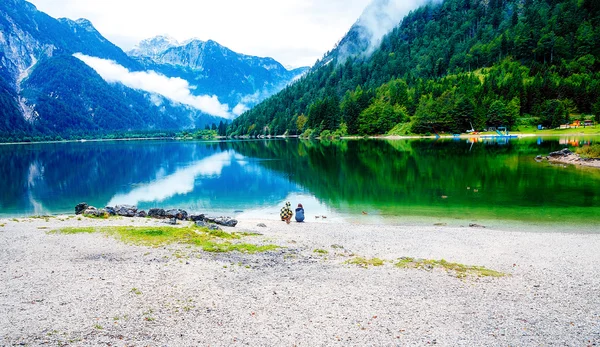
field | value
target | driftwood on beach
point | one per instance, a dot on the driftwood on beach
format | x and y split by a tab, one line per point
158	213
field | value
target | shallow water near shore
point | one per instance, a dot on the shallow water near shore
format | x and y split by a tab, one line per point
448	181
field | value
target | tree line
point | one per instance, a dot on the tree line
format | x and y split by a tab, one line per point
450	67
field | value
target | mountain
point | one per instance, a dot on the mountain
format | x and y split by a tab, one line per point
152	48
60	78
236	79
47	93
447	67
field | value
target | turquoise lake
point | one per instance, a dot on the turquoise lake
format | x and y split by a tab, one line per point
352	180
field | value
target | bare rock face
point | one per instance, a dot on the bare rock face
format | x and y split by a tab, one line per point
196	218
177	213
91	210
225	221
80	208
562	153
94	212
126	210
210	226
157	213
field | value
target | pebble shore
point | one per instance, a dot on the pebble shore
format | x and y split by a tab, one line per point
93	290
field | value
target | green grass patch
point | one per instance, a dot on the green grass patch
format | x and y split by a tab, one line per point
41	217
243	234
44	217
589	130
156	236
461	270
364	262
71	231
105	215
223	235
320	251
401	129
225	247
589	152
136	291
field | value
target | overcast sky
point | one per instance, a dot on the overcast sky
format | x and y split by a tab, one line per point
294	32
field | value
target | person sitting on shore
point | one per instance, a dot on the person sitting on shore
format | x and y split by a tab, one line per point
286	213
300	214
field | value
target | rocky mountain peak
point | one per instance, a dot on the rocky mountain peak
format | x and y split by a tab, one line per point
154	46
80	23
86	24
20	7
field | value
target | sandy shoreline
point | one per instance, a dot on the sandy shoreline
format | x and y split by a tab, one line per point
90	289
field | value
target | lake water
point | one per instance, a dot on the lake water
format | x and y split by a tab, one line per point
354	180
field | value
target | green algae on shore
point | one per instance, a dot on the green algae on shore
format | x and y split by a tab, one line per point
461	270
156	236
589	152
364	262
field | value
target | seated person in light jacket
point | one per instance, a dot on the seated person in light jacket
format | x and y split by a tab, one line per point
300	213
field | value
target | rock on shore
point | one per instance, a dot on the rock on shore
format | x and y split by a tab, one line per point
157	213
565	156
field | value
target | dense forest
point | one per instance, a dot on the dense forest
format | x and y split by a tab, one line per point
450	67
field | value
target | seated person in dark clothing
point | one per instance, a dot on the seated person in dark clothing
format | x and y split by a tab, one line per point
300	213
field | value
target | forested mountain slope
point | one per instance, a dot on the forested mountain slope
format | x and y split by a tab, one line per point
449	65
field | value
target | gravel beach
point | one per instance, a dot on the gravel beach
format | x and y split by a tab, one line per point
93	290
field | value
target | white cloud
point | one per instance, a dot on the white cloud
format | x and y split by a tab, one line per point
175	89
250	99
254	98
378	19
294	32
240	108
381	16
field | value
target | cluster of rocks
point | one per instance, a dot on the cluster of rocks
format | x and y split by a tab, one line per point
158	213
558	154
565	157
562	153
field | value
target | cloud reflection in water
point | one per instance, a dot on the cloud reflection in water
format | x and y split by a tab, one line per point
181	182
